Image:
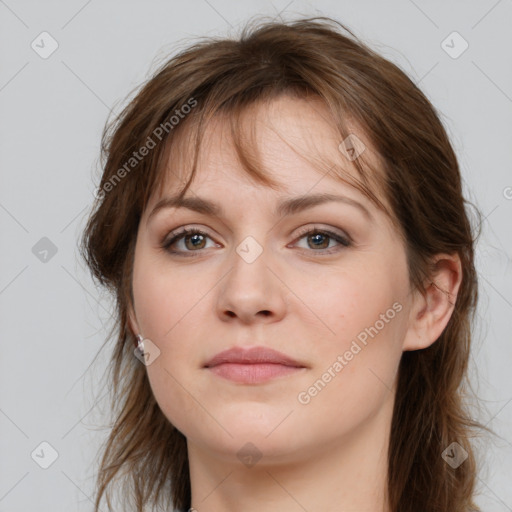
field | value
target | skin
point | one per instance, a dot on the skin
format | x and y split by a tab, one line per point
329	454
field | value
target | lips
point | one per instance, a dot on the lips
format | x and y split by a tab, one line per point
254	355
256	365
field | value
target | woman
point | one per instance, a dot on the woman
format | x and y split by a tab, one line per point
281	221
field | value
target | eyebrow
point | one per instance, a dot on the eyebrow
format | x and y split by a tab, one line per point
284	208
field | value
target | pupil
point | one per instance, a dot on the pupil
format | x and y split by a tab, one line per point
317	239
196	238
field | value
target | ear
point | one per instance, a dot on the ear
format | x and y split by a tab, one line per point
431	311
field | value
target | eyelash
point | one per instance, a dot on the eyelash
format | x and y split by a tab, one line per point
175	237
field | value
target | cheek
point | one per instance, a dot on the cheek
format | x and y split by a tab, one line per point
350	302
357	360
357	367
165	298
168	303
167	308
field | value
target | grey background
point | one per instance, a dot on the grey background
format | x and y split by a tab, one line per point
53	319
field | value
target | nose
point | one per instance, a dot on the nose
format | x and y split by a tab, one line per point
252	290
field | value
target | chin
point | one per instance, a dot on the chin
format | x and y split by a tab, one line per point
267	431
276	449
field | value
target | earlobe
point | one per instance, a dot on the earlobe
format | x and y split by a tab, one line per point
431	311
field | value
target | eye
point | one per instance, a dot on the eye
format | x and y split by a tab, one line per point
193	238
319	239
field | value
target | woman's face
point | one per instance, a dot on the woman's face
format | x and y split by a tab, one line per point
255	279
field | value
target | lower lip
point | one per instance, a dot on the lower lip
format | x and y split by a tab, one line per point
253	373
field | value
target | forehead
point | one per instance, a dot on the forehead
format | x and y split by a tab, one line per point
293	141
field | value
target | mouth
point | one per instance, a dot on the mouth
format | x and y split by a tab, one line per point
253	366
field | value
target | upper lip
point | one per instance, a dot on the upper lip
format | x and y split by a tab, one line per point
252	355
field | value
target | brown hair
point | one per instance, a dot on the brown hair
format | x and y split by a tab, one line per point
420	178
